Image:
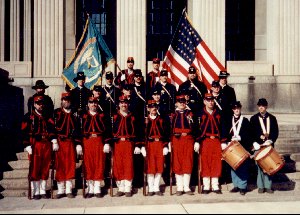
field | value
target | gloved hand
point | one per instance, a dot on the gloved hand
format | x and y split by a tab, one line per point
106	148
170	147
123	77
197	147
137	151
165	151
256	146
79	150
143	151
236	138
268	143
223	146
55	145
29	150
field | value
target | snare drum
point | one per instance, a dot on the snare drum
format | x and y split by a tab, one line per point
269	160
235	154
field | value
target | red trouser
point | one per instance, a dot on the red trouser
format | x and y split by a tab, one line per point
123	161
211	155
41	160
93	158
183	152
155	157
65	162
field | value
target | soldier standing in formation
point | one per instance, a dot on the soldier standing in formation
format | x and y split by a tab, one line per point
95	131
40	140
195	89
124	133
240	131
265	133
157	147
183	146
126	76
168	92
153	76
40	88
112	94
80	95
211	136
68	131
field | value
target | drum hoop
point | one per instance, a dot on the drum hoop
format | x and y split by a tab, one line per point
230	145
262	149
276	170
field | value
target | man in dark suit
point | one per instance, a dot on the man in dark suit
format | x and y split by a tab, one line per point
228	91
80	95
195	89
168	91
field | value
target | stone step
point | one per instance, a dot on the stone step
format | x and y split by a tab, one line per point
21	164
22	156
288	145
288	176
295	157
289	134
289	127
282	186
16	174
14	184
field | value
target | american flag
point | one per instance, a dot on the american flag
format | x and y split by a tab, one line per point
187	49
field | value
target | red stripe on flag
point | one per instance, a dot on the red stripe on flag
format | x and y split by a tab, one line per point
211	55
210	71
176	64
173	76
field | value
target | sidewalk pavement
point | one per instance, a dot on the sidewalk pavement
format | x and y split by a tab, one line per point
284	202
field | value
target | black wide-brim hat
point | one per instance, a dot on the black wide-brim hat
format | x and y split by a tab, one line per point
39	84
80	76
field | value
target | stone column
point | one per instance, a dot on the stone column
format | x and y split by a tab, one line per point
48	38
208	17
27	30
14	30
131	32
70	31
2	30
283	36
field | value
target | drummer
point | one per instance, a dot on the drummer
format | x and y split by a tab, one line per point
240	132
265	133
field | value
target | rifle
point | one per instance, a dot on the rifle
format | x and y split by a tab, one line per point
199	167
52	172
32	140
171	156
111	163
82	166
145	159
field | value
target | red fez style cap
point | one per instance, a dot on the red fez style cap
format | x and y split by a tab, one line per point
123	99
208	96
38	99
66	96
130	60
156	60
152	104
181	98
93	99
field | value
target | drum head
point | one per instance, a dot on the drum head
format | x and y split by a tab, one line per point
263	153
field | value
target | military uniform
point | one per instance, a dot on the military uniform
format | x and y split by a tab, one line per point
158	132
195	90
110	103
39	137
68	131
124	133
212	133
129	75
240	131
265	132
152	77
168	94
96	135
80	96
48	103
183	128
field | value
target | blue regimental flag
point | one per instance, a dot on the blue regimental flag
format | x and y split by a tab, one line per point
91	56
